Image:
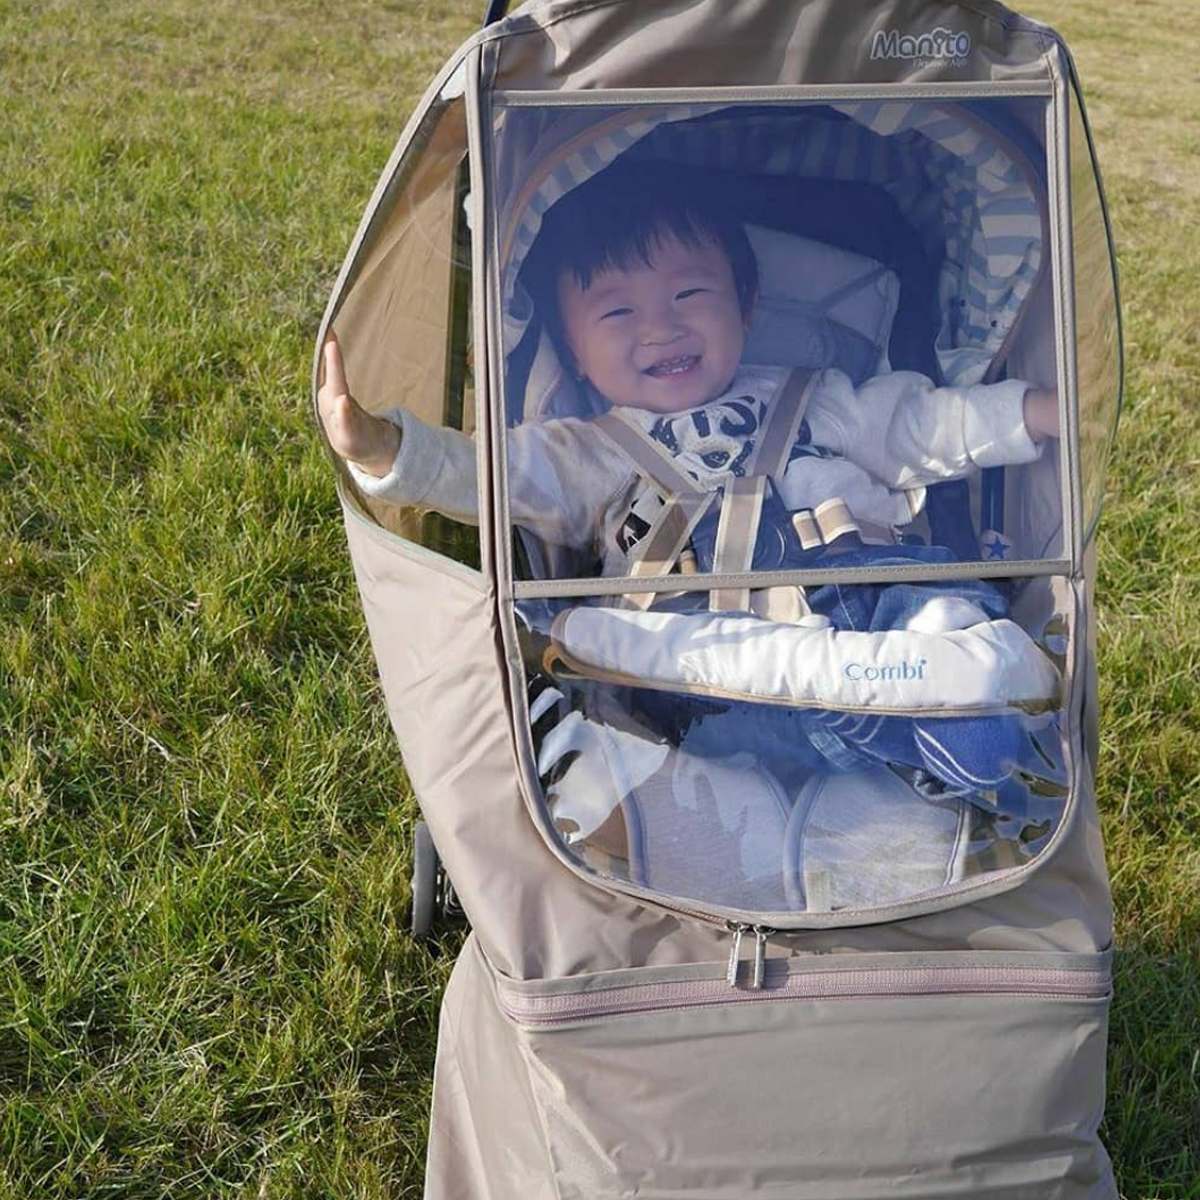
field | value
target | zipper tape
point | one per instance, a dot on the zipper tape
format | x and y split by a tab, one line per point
886	983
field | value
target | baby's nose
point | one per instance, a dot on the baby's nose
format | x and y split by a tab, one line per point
659	329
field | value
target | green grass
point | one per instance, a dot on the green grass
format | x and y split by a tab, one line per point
206	990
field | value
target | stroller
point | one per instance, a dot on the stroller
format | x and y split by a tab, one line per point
775	825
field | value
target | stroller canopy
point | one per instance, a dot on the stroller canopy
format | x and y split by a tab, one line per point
968	119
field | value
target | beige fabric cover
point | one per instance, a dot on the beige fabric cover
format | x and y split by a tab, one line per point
953	1095
766	43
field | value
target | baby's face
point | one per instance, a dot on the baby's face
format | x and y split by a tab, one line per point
664	337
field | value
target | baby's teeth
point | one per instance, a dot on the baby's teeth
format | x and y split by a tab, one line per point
674	366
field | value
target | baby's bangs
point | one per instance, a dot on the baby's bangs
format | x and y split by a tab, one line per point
627	238
619	220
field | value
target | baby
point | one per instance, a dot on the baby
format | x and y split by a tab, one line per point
647	296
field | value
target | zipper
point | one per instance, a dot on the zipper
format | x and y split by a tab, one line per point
829	984
735	951
758	972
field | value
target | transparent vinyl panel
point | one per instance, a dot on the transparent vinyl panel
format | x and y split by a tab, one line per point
891	744
404	326
734	334
1097	322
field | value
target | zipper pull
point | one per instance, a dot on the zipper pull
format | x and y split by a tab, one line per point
760	954
735	951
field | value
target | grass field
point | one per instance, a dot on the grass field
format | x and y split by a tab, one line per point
205	987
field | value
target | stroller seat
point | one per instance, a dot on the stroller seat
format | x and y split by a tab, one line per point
935	680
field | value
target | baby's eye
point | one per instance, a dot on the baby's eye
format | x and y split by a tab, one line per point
690	292
616	312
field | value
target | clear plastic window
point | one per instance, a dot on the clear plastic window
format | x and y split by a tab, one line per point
405	329
1096	330
743	337
888	744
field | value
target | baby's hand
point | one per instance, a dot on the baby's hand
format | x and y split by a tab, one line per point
1041	413
354	433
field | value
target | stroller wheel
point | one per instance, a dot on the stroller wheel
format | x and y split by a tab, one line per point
424	883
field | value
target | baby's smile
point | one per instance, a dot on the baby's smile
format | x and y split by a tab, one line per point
671	368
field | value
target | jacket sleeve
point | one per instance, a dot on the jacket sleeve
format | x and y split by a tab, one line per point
434	468
907	433
560	476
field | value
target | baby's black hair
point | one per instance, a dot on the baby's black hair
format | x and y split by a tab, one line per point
616	220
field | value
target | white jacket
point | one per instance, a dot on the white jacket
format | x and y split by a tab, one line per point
875	446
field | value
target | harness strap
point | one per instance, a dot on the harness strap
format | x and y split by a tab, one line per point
807	530
782	425
830	520
737	531
686	502
741	508
651	460
657	552
834	519
783	605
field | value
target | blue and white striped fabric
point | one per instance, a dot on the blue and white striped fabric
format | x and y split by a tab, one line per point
958	188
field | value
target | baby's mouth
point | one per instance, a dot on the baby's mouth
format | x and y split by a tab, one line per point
669	368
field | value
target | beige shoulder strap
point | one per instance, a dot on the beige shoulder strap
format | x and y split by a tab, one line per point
785	411
662	546
684	501
742	502
737	532
649	458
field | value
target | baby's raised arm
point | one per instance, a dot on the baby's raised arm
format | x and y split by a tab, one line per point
368	441
907	433
560	474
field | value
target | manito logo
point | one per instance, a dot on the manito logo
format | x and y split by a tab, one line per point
858	672
923	47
